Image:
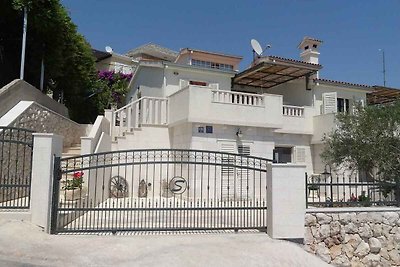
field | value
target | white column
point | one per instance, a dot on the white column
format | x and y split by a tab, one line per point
286	201
46	147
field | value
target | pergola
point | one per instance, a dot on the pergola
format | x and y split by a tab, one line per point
383	95
270	71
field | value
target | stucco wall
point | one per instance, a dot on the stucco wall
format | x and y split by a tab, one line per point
352	94
363	237
19	90
150	80
173	75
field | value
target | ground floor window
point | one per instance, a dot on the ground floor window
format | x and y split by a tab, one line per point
282	155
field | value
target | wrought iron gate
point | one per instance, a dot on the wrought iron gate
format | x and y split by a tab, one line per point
15	167
159	190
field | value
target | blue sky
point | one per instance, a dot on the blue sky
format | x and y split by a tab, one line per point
352	31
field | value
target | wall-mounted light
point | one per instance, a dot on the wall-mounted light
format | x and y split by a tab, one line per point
239	133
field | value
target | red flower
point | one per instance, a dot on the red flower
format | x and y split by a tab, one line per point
78	175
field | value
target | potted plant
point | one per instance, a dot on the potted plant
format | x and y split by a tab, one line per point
73	187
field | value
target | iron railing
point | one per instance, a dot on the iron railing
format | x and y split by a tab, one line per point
159	189
15	167
349	188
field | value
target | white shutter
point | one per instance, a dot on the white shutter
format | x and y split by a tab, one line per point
243	175
329	102
214	86
227	172
183	83
300	155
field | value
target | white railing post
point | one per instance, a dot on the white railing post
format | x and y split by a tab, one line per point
46	147
129	118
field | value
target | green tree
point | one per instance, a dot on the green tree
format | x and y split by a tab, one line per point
368	139
69	63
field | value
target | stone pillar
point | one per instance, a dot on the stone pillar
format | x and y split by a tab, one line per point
286	201
46	147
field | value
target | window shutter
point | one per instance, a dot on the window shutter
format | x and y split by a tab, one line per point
300	155
244	150
329	102
227	172
183	83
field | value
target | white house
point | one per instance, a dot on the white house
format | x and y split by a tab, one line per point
278	108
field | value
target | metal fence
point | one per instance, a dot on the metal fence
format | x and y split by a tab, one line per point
349	187
15	167
159	190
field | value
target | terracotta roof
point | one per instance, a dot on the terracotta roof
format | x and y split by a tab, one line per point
294	60
212	53
155	51
100	55
327	81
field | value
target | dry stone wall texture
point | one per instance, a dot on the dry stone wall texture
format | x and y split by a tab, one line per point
354	238
43	120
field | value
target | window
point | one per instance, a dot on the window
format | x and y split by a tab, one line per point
209	129
198	83
343	105
211	65
282	155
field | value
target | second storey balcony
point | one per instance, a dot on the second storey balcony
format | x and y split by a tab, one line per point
197	104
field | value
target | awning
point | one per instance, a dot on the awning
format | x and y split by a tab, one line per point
270	71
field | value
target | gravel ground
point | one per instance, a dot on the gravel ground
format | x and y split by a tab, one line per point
23	244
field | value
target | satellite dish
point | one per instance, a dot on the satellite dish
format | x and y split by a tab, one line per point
109	49
256	46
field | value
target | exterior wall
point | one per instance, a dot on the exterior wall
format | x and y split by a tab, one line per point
181	136
114	63
318	164
294	93
174	74
19	90
187	57
354	237
198	106
150	80
43	120
299	124
342	92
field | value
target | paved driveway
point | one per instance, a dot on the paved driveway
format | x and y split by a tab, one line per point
22	244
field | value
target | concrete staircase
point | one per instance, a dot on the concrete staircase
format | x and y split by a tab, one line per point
143	138
72	151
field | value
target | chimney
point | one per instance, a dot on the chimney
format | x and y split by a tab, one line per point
309	50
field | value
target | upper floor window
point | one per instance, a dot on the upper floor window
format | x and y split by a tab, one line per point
198	83
343	105
282	155
211	65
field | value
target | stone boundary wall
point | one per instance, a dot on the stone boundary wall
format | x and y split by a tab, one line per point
43	120
19	90
354	237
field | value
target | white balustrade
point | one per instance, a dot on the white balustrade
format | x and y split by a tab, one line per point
237	98
144	111
293	111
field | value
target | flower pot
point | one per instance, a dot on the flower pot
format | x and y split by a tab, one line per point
74	194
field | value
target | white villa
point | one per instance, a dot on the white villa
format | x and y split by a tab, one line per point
278	108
